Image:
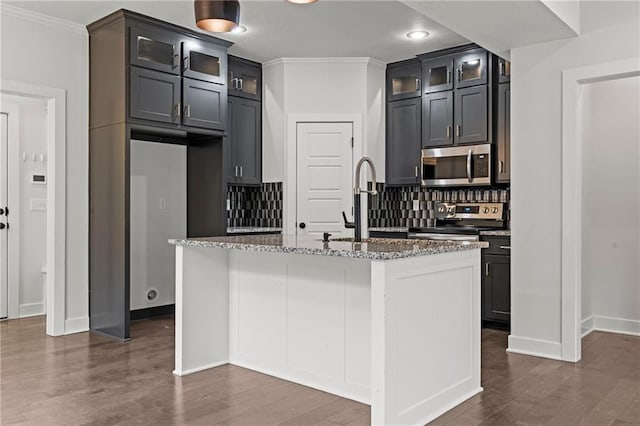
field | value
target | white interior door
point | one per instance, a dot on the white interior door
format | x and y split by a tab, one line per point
4	175
324	178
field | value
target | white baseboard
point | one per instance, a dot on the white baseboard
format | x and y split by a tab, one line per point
587	326
76	325
535	347
616	325
31	310
199	369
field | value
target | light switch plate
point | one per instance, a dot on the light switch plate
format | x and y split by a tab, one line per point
416	205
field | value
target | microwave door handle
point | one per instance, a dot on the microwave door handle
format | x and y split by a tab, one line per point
469	156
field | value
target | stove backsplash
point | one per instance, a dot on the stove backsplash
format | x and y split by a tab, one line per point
259	206
393	206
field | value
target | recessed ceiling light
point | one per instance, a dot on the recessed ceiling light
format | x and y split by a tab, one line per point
418	34
239	29
302	1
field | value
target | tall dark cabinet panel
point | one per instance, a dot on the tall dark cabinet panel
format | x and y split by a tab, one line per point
138	91
403	142
437	110
503	139
470	112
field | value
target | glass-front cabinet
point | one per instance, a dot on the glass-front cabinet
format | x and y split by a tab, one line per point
244	78
404	81
471	68
204	61
438	74
154	48
504	71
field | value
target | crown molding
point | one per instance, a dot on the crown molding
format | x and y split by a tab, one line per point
40	18
357	60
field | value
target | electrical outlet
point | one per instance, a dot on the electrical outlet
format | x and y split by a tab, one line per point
416	205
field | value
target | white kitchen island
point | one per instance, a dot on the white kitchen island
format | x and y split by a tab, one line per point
390	323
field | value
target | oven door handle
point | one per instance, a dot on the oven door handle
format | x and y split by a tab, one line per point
469	156
442	237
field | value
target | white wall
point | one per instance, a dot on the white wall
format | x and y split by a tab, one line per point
48	52
323	86
32	134
611	204
536	177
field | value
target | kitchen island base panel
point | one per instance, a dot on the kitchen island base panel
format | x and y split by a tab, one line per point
402	335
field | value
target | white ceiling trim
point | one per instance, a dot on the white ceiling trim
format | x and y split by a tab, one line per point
40	18
358	60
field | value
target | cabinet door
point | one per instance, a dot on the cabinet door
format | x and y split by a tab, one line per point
496	288
404	82
204	61
471	114
437	74
403	142
154	48
247	140
205	104
471	68
154	95
504	133
245	81
437	122
504	71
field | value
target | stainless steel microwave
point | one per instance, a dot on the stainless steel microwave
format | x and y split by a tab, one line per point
457	166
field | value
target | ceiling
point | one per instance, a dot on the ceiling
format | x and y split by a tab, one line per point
279	29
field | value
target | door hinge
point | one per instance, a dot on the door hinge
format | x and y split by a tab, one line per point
351	141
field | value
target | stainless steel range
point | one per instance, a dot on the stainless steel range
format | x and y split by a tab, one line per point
463	221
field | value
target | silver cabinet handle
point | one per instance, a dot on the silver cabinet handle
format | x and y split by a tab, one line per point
448	77
469	155
240	171
236	170
178	109
176	60
486	269
448	132
185	61
501	68
459	74
501	166
458	130
240	80
187	111
505	247
416	171
418	85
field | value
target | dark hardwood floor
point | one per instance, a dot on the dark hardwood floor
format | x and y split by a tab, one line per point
89	379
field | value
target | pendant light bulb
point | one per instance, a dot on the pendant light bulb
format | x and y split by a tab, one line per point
217	16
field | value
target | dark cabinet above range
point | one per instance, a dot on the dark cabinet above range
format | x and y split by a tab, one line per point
454	71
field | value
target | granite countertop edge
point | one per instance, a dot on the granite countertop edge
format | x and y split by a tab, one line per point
438	248
497	233
251	229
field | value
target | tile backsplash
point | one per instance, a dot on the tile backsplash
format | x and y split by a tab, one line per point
259	206
393	206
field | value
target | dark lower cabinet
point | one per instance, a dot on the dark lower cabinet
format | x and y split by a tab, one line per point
244	159
204	104
437	111
403	142
496	284
154	96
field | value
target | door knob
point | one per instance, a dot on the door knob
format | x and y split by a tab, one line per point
1	212
2	226
302	225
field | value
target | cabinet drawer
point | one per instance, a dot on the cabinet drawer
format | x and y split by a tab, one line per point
498	245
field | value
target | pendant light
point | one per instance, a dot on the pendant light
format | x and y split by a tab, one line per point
217	16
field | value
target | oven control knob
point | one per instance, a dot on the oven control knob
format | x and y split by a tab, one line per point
486	210
494	210
451	211
441	209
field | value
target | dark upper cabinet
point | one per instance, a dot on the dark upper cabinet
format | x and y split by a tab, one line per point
470	115
403	142
503	137
154	96
437	74
154	48
244	78
204	104
496	289
244	159
504	71
204	61
437	119
471	68
404	80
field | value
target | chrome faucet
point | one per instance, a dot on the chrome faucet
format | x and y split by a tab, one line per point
357	222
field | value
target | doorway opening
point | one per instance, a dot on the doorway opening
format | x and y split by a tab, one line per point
49	166
600	174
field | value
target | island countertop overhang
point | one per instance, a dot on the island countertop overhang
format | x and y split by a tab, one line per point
370	249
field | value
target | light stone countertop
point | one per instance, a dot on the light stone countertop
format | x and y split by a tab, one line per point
497	233
371	248
252	230
390	229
